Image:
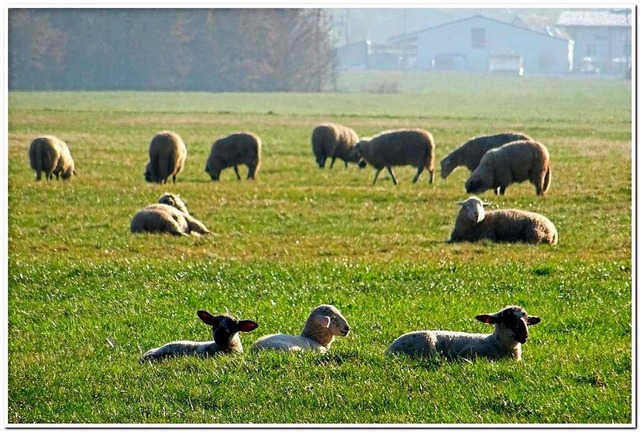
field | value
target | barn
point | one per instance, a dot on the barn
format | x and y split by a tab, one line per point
481	44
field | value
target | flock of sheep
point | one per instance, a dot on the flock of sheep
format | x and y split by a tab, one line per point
325	322
495	162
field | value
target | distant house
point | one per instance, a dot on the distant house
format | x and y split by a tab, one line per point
602	39
481	44
367	55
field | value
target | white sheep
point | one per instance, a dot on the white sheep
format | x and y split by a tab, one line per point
331	140
167	156
51	156
226	340
516	161
324	323
511	330
169	215
473	224
413	147
470	153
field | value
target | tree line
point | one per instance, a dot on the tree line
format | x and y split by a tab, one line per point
170	49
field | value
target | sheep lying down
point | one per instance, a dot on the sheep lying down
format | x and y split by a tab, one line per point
324	323
226	339
510	332
169	215
512	225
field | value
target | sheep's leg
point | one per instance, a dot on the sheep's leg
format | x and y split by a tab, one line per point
375	177
503	188
345	164
333	159
431	172
195	225
420	169
395	182
235	169
252	171
172	226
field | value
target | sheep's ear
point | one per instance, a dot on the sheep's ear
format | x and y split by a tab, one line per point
487	319
207	318
484	204
461	203
247	326
322	320
532	320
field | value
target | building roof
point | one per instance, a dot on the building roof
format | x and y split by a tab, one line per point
413	35
595	18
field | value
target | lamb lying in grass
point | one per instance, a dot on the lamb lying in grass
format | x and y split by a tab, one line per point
324	323
511	330
226	339
474	224
170	215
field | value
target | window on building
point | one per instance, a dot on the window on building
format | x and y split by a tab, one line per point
477	38
592	50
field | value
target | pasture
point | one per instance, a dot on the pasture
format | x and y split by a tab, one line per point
86	297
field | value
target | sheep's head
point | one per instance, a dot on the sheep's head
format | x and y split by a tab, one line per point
173	201
512	321
148	175
225	328
329	317
66	174
357	155
473	209
446	166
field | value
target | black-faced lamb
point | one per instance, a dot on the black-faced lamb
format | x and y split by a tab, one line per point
167	156
510	332
170	215
51	156
331	140
470	153
226	339
324	323
396	148
473	224
517	161
233	150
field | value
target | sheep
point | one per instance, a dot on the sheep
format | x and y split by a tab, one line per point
398	147
513	162
167	156
473	224
233	150
324	323
226	339
51	155
470	153
330	140
169	215
510	332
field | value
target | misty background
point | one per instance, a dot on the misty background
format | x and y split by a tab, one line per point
211	49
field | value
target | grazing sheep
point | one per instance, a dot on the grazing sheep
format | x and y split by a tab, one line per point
226	339
400	147
511	330
470	153
324	323
167	156
169	215
51	156
474	224
513	162
330	140
233	150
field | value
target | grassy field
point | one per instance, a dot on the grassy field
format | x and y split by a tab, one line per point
86	297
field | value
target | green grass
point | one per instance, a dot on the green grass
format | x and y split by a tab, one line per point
86	297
